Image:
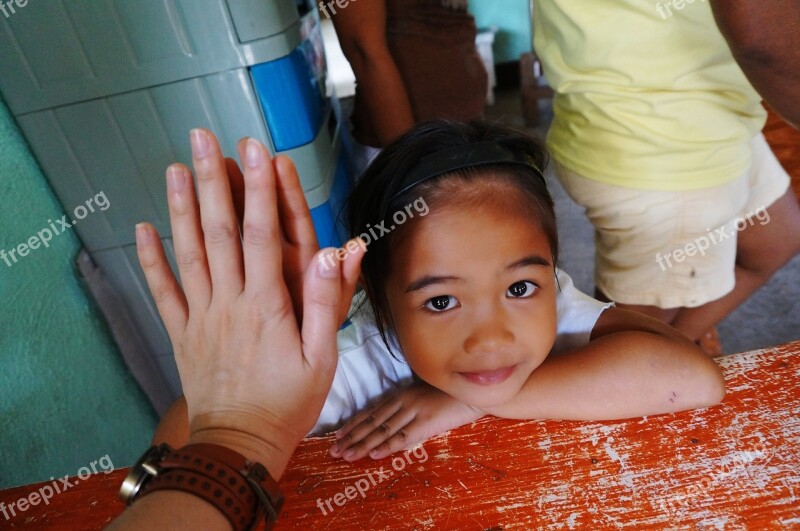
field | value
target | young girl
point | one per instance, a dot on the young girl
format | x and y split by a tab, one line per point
467	314
470	297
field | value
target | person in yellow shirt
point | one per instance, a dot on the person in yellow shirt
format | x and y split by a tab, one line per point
657	133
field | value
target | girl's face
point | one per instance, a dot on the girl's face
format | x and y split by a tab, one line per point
473	297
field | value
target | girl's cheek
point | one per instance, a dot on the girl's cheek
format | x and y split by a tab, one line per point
420	361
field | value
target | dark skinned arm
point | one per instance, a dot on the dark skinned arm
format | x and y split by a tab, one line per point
361	28
765	40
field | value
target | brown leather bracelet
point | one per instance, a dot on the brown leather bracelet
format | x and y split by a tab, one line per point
239	515
239	488
203	462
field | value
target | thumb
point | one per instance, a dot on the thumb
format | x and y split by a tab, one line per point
322	294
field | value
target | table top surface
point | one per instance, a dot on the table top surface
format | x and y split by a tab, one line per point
731	466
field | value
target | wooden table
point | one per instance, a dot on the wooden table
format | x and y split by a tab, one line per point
732	466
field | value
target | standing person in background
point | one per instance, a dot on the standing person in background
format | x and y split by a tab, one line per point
657	133
414	60
771	64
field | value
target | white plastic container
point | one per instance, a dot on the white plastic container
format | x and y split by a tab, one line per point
484	41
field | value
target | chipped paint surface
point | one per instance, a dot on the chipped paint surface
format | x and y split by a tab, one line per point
732	466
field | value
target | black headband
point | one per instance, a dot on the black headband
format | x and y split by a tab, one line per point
460	157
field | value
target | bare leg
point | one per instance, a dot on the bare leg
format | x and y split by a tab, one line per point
761	251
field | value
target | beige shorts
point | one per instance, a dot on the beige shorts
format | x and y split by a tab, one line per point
675	249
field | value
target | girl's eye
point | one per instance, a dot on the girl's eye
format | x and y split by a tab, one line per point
441	303
522	289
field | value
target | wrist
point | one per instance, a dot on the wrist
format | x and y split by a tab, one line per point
273	453
218	467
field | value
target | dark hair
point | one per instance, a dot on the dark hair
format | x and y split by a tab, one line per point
373	201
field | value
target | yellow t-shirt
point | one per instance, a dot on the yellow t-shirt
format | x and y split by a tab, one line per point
648	93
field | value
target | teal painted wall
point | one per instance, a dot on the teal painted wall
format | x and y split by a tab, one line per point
513	21
66	398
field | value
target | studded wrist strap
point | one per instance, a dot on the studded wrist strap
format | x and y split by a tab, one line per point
239	488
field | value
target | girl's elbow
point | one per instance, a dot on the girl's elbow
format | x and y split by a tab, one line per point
701	385
711	386
719	387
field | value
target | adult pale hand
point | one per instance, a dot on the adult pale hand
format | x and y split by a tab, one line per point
256	358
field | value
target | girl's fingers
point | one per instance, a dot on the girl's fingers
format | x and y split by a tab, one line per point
369	417
261	228
405	437
236	179
363	424
163	286
217	215
384	431
187	237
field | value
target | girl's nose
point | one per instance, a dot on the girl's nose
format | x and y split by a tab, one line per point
489	335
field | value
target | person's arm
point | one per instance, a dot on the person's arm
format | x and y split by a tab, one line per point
765	40
361	28
255	376
633	366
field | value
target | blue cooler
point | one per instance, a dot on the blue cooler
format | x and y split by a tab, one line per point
106	93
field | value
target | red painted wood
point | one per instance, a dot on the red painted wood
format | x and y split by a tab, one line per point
732	466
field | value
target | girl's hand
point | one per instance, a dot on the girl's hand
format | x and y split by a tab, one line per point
412	416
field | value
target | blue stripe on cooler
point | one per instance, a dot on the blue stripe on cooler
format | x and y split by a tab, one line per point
328	218
293	102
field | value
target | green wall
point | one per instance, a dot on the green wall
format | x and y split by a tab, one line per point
513	21
66	398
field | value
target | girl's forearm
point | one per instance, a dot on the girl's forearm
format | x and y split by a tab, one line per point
620	375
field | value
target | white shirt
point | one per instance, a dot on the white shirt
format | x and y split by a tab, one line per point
367	369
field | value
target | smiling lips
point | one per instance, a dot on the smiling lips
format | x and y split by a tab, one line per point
489	377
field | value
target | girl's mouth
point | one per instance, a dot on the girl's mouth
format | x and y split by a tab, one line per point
492	377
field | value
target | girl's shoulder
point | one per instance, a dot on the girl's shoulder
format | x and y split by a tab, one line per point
577	314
